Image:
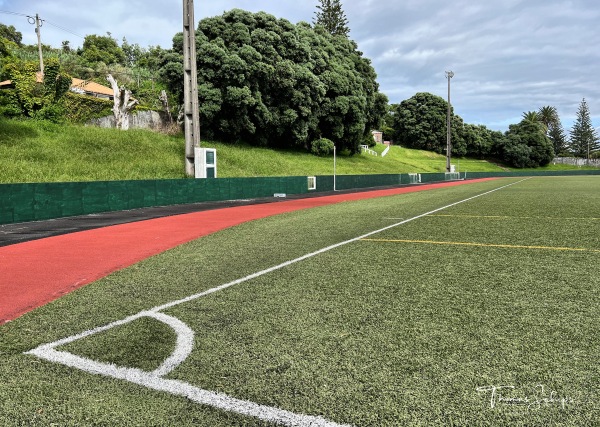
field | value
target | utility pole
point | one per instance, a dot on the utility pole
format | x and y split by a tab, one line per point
191	118
38	24
449	75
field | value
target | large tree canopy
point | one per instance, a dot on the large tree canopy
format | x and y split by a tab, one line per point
420	122
102	49
526	143
269	82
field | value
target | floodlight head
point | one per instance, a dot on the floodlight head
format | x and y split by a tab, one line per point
449	74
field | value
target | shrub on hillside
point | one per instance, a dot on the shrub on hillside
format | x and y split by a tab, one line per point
54	113
82	108
321	147
8	104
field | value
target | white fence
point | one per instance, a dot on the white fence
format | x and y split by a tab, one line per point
368	150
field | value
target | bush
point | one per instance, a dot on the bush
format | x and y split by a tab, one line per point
82	108
9	106
321	147
54	113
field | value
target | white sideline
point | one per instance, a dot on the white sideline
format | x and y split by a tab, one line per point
185	342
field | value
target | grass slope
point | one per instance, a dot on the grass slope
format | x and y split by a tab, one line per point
33	151
402	331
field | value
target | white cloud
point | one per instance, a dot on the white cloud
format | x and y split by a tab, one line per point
508	57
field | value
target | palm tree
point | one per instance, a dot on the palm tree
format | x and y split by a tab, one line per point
531	117
531	120
548	116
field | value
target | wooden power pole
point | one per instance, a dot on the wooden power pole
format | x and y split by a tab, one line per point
190	86
38	23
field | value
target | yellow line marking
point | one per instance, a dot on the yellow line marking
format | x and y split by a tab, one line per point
487	245
516	217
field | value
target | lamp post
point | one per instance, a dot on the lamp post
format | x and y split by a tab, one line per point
449	75
334	165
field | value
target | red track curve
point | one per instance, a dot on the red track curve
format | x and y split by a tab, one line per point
36	272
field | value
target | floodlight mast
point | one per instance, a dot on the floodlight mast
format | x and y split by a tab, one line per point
191	118
449	75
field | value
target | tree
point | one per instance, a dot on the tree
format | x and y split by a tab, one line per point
387	125
526	144
584	140
66	46
102	49
331	16
34	99
548	116
122	104
557	135
6	49
420	122
479	140
531	117
268	82
10	33
133	53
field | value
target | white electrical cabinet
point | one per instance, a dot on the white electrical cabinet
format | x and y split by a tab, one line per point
205	162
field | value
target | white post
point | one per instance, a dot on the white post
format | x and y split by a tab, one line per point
449	75
334	161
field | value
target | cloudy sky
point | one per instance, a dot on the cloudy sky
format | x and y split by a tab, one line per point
508	56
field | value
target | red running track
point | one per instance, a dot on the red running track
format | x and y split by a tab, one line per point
39	271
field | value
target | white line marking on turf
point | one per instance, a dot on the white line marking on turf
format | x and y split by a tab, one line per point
183	346
185	342
180	388
318	252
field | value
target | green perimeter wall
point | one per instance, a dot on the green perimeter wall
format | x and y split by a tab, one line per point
41	201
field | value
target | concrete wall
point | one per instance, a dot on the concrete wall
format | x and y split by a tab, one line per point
574	161
138	120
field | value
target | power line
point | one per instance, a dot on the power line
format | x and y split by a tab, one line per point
64	29
45	21
12	13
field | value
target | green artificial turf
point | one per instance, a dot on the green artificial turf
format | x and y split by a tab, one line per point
402	328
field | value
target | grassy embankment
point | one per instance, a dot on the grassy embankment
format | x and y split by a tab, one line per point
43	152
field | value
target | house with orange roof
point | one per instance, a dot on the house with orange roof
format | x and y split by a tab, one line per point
83	87
87	87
